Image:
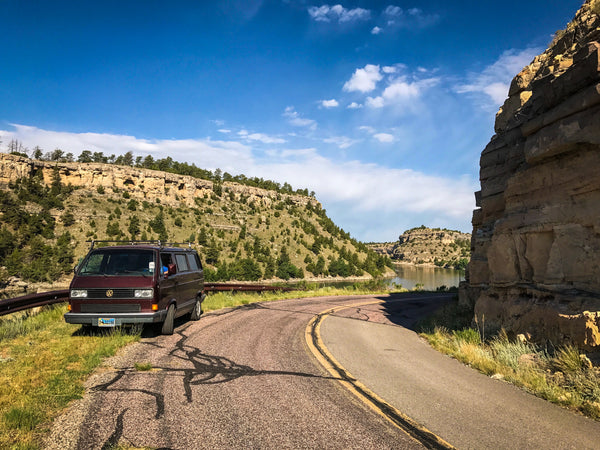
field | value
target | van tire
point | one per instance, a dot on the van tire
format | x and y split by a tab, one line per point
197	311
168	324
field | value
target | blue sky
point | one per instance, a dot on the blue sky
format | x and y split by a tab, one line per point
381	108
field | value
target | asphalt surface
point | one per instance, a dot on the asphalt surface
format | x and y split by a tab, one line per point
240	378
465	408
245	378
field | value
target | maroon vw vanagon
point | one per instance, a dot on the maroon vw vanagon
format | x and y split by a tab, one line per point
136	283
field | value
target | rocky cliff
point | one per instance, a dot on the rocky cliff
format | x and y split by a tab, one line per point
142	184
535	264
422	245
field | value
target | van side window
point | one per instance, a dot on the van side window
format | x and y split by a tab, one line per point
165	259
193	260
182	265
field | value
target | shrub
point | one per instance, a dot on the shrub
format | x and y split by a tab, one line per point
467	335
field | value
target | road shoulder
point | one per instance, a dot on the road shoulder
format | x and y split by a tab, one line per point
464	407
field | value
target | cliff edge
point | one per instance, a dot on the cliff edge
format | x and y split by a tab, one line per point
535	260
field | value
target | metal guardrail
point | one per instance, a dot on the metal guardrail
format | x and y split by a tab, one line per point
12	305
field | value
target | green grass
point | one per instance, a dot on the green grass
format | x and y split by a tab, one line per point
562	377
43	364
143	367
222	300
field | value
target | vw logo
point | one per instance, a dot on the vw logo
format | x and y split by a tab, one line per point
109	293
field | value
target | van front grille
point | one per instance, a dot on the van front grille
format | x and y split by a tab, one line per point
109	293
110	308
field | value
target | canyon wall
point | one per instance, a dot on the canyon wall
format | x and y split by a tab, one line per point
535	263
427	246
141	184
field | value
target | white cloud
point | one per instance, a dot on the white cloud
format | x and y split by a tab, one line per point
337	13
354	105
346	190
410	18
333	103
341	141
384	137
295	119
495	79
376	30
401	91
375	102
224	130
344	187
364	80
208	153
260	137
393	11
368	129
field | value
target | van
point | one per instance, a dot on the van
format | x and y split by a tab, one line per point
139	283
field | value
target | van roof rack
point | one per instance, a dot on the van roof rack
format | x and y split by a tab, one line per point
135	242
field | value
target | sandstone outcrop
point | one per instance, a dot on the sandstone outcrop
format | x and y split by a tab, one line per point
427	246
141	184
535	263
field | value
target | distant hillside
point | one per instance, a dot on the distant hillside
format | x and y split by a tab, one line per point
49	209
422	245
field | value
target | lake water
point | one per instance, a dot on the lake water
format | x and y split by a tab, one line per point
430	277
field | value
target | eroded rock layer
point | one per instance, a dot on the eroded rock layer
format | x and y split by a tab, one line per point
142	184
535	263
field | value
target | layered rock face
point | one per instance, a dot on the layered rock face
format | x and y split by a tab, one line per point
142	184
427	246
535	263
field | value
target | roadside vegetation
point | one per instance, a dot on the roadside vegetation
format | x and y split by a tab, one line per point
43	364
563	375
45	361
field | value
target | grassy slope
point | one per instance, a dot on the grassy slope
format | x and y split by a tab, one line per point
222	218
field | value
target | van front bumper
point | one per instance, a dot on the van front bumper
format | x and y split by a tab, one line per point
119	318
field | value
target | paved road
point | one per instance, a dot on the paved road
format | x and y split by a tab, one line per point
237	379
246	378
464	407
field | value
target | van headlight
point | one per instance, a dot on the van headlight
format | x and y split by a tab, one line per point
78	293
143	293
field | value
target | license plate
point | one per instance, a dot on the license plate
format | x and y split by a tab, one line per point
106	322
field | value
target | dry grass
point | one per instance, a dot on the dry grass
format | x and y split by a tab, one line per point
564	377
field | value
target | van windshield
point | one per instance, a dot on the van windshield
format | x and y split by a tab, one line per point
118	263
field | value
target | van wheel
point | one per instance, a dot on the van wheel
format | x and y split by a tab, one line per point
197	311
168	324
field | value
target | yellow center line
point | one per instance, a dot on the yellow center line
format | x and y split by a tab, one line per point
400	420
